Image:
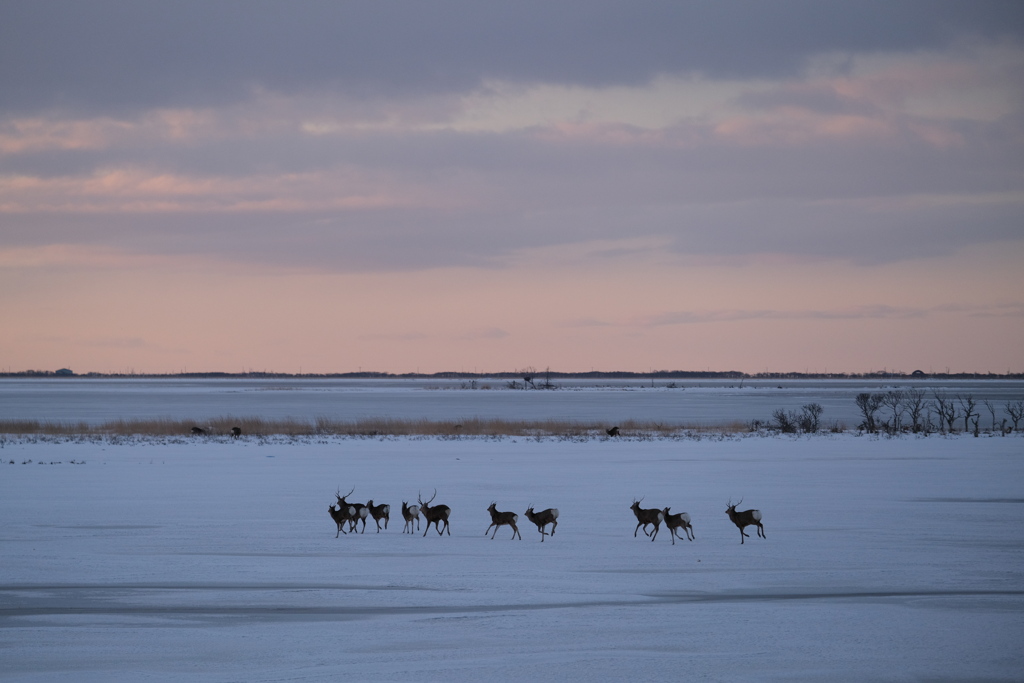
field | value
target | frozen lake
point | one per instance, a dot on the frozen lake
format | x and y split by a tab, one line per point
215	560
689	403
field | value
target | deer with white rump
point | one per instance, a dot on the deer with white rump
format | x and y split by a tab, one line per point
500	519
542	519
435	515
680	520
379	512
745	518
410	513
645	517
362	512
341	516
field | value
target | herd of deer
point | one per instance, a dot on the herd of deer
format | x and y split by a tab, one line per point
350	513
681	520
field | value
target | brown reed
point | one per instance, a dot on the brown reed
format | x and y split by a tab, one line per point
382	426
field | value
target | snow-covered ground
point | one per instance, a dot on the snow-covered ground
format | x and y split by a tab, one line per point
685	402
215	560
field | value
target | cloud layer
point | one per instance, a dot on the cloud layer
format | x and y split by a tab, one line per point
366	138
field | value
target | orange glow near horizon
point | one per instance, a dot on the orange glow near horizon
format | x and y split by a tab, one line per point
173	317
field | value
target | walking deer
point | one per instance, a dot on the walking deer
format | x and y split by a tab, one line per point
379	512
341	516
745	518
435	515
500	519
645	517
410	513
678	521
361	511
542	519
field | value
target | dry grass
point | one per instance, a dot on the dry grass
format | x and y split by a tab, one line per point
254	426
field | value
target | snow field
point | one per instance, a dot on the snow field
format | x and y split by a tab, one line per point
885	559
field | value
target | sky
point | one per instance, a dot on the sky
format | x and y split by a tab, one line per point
317	187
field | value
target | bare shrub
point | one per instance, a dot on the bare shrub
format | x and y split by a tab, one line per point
785	422
869	405
894	401
967	404
1015	409
810	417
946	410
915	407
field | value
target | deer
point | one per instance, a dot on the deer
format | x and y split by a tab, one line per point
340	516
236	432
645	517
542	519
499	519
614	431
361	510
379	512
410	513
678	521
745	518
434	515
198	431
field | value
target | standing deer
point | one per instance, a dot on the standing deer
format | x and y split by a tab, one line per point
361	511
434	515
645	517
236	432
410	513
499	519
542	519
745	518
379	512
677	521
341	516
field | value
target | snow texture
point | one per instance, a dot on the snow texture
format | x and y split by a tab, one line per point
216	560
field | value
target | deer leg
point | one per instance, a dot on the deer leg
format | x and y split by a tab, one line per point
760	532
515	532
495	531
638	529
655	534
553	525
672	535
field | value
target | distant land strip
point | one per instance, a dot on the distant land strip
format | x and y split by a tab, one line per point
538	378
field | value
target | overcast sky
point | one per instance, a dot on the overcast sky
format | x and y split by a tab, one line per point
402	186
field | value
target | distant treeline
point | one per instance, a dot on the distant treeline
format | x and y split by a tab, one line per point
534	376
